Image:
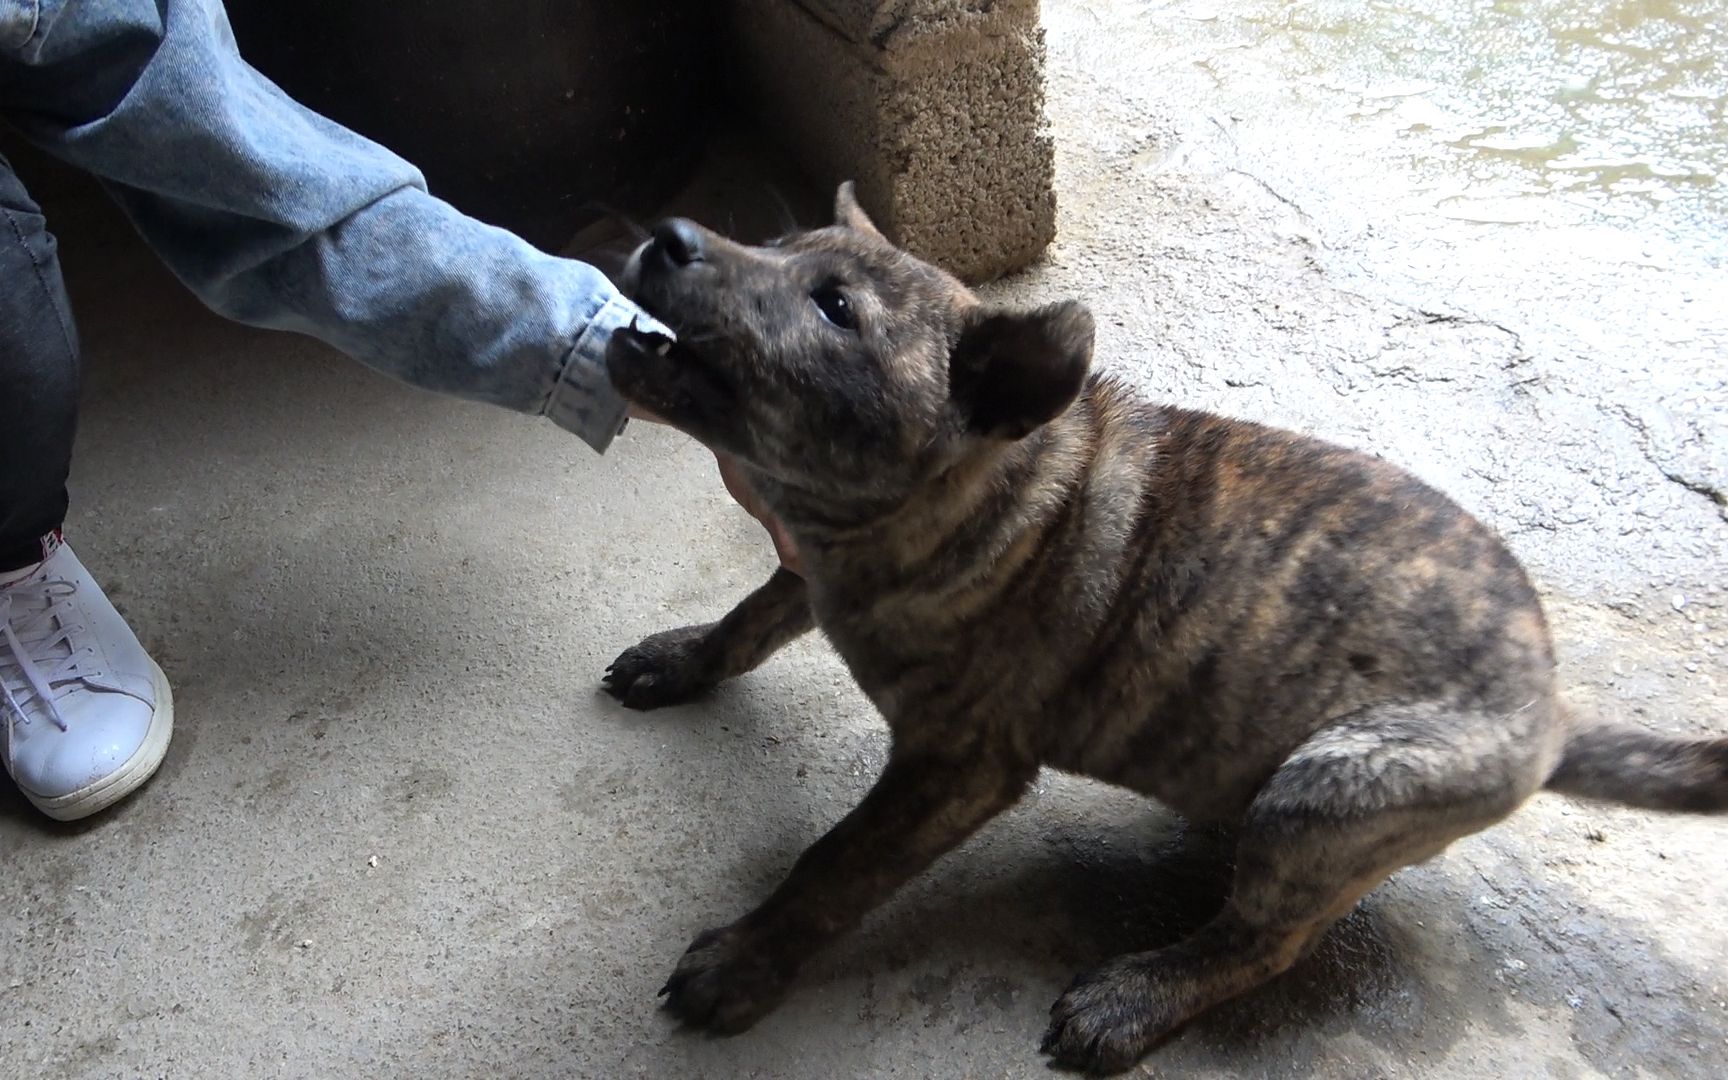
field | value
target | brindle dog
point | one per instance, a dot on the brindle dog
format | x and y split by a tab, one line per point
1025	563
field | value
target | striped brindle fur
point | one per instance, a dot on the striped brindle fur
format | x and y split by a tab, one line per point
1025	564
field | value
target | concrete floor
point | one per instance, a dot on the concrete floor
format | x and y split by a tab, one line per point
385	615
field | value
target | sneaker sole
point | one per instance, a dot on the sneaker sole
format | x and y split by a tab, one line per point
130	776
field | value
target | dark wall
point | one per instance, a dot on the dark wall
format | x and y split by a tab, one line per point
529	114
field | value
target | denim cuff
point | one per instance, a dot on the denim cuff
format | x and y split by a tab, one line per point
583	401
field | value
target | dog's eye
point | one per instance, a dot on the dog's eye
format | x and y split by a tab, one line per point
832	303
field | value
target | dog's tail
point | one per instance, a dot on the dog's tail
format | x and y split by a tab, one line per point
1642	769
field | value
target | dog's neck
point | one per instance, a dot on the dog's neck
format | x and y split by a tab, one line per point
963	519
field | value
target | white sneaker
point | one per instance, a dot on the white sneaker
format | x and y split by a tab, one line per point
85	714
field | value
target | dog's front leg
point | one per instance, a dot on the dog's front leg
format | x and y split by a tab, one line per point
924	804
676	665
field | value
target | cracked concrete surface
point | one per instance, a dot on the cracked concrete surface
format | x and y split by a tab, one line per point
385	615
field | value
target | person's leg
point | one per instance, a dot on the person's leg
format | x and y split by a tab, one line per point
38	379
85	714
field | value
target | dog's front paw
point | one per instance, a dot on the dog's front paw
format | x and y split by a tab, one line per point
1110	1018
723	983
665	669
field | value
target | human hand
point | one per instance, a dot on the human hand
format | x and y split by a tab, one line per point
732	475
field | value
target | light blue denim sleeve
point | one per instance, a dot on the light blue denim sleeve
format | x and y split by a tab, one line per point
278	217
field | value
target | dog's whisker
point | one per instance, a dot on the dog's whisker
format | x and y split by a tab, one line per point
788	221
610	212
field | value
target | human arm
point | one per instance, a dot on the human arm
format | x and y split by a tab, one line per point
277	217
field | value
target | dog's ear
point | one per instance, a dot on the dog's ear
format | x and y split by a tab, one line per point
1013	371
849	214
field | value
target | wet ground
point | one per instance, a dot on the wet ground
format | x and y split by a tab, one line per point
1485	241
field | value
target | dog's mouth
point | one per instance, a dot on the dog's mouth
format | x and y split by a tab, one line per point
672	380
677	379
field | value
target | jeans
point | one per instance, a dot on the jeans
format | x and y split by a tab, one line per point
38	378
273	216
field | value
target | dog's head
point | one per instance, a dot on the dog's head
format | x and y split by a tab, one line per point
835	363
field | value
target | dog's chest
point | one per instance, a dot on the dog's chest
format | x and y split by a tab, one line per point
995	670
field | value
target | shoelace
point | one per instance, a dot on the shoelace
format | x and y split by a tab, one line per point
37	653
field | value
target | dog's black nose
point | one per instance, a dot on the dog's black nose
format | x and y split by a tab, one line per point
679	240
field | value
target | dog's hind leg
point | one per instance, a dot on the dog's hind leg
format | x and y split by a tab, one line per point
1373	792
677	665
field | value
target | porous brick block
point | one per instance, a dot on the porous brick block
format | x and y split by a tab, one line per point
934	107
